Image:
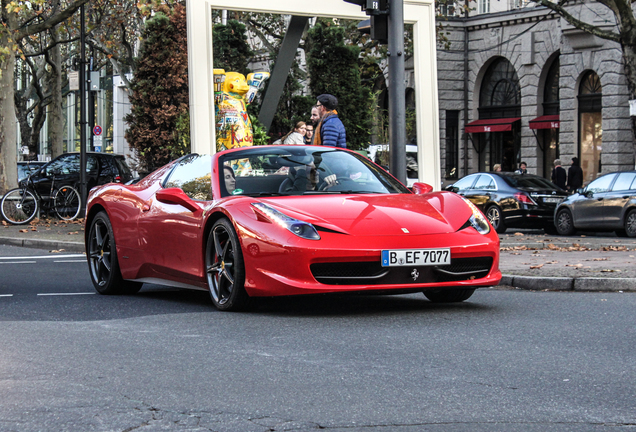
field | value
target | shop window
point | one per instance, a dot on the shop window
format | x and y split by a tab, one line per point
590	126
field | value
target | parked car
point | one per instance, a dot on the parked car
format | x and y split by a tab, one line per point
511	200
606	204
24	168
379	153
101	168
230	223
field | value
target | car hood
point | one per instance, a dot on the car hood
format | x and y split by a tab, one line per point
394	214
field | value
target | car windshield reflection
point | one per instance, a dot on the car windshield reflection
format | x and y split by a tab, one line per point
275	171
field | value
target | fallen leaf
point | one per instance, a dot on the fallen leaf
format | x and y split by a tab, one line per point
574	265
538	266
23	231
599	259
552	262
518	234
610	271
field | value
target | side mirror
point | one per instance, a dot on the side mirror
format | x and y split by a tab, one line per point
451	188
580	191
178	197
422	188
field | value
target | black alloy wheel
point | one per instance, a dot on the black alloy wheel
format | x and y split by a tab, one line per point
564	223
102	259
493	213
454	295
630	223
225	268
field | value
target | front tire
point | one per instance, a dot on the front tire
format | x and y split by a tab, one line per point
103	264
449	295
19	206
495	217
565	223
630	224
225	268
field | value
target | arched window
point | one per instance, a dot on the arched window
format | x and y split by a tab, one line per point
590	125
551	90
500	94
500	98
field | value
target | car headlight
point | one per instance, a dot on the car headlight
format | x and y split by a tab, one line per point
300	228
478	220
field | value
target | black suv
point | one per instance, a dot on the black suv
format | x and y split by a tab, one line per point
101	168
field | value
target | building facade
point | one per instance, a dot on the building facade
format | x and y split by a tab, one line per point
524	85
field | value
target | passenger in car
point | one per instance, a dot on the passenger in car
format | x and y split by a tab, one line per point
230	179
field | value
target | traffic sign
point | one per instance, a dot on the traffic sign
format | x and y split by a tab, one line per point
97	130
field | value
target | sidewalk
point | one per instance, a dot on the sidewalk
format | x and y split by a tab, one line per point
529	259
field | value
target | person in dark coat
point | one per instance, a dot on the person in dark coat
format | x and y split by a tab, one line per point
575	175
559	176
330	131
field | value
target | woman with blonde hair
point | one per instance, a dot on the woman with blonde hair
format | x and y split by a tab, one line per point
496	168
294	136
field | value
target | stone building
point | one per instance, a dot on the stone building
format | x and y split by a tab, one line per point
524	85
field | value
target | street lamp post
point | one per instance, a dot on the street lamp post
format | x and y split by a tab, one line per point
82	98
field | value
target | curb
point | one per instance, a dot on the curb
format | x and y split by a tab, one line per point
569	284
44	244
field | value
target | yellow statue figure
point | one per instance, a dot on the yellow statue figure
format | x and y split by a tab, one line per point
232	93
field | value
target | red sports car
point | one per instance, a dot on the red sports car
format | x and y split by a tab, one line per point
286	220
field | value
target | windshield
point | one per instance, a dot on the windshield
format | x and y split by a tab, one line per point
296	170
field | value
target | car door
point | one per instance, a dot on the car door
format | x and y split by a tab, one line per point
588	212
481	192
617	198
171	234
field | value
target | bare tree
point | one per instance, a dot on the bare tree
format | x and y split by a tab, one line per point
623	33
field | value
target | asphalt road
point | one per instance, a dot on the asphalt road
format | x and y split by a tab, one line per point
165	359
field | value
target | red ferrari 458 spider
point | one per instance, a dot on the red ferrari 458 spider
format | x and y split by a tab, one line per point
286	220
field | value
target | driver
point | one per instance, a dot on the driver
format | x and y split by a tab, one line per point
308	178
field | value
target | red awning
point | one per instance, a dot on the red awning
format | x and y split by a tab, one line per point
545	122
491	125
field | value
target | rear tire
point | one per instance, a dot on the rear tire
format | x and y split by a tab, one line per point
495	217
103	264
17	210
67	203
564	222
449	295
630	224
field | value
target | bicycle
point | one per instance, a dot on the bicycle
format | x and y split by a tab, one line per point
20	205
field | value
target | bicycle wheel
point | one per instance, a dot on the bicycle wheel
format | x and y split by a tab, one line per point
67	203
19	206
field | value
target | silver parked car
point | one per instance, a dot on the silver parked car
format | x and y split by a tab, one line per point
606	204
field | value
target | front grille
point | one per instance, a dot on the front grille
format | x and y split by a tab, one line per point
372	273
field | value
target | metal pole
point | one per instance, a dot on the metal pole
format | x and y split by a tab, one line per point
82	91
397	103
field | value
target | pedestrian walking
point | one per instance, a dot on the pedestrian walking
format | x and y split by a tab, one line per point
294	136
575	175
496	167
309	133
330	130
559	176
523	168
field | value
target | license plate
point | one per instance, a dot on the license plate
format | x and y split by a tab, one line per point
552	200
415	257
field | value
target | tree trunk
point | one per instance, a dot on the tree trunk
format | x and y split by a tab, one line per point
8	148
55	109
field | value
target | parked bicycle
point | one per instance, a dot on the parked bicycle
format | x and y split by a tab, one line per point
20	205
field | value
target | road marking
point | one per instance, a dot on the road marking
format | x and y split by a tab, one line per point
65	294
18	262
6	295
65	261
43	257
